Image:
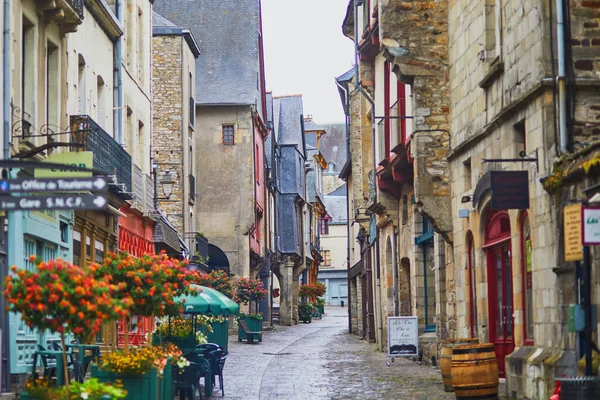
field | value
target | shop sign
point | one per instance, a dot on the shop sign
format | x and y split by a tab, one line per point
80	159
56	202
403	336
510	190
53	185
591	226
573	232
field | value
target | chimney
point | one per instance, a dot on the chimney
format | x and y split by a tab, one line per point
308	118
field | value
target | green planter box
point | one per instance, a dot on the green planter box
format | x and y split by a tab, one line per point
254	325
25	396
145	387
321	309
220	334
185	344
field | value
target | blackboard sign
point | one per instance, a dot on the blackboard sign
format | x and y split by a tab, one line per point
403	336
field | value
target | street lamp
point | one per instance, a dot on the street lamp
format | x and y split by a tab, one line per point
166	182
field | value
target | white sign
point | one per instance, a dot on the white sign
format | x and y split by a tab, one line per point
403	336
591	226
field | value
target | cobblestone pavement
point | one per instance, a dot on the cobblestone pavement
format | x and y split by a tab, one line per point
321	360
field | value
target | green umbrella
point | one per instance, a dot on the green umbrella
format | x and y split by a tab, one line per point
208	301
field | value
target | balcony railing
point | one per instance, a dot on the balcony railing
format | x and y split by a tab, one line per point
192	193
109	156
192	111
138	186
149	193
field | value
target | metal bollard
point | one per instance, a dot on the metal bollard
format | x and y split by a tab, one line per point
342	303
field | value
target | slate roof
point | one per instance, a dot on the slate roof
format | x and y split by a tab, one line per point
341	191
227	33
336	207
159	20
333	145
289	128
312	126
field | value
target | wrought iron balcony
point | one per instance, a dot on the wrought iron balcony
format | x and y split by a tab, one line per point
109	156
65	12
192	192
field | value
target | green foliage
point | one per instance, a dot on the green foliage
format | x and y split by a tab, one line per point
249	290
218	280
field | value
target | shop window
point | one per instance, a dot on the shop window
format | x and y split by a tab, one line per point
99	253
527	281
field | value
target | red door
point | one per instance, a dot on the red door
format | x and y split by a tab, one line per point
501	302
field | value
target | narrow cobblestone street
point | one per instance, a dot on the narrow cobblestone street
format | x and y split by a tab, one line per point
321	361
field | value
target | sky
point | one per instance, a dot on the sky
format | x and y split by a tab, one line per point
305	51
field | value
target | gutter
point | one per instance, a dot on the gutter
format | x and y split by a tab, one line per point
118	80
4	318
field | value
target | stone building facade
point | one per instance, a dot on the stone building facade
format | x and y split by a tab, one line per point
174	52
503	108
230	129
403	68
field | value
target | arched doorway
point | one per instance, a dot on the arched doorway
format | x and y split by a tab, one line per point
500	290
217	259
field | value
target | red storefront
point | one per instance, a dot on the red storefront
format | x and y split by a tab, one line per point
135	237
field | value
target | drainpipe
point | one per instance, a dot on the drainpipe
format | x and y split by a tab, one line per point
562	101
4	319
118	77
395	274
348	159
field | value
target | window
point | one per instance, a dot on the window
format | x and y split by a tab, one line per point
52	87
81	92
99	254
100	103
404	210
492	29
228	134
520	140
325	254
472	285
467	174
76	247
324	226
527	281
28	71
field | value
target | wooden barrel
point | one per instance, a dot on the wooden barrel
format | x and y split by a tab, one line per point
474	372
446	359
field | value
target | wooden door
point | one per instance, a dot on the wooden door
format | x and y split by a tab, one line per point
501	302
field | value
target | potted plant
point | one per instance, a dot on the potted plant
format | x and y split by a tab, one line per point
249	292
92	389
305	311
64	298
321	305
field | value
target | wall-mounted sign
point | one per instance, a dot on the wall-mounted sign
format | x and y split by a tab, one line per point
510	190
53	185
572	232
81	159
56	202
403	336
591	226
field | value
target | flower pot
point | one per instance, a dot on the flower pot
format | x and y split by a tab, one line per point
185	344
254	325
142	387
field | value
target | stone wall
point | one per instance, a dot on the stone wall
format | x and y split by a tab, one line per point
167	140
415	37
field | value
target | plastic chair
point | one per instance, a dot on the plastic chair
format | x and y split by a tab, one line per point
49	370
218	358
206	347
188	381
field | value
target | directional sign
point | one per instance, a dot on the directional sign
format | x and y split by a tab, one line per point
57	202
53	185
